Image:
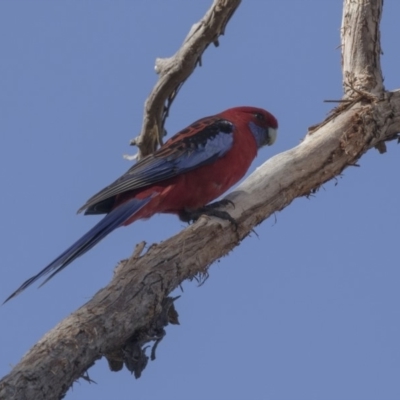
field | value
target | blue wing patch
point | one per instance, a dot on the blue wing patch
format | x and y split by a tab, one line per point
182	153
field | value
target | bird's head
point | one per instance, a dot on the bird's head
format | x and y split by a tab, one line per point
262	124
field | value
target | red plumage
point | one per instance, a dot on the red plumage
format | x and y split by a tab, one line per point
196	188
194	167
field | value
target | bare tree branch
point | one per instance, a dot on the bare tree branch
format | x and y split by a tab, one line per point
174	71
361	47
135	307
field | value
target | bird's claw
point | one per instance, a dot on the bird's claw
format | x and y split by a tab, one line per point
211	211
220	203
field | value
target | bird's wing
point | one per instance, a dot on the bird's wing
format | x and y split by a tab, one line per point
201	143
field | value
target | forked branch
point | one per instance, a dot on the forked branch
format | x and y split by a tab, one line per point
131	306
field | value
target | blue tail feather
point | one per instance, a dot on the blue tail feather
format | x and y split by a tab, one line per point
111	221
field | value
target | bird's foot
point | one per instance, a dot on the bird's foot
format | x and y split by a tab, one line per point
210	210
220	203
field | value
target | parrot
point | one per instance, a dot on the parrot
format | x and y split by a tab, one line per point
191	169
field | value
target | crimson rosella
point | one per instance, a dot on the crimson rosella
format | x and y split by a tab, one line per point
191	169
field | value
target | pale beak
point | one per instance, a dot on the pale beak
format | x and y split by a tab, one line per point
272	134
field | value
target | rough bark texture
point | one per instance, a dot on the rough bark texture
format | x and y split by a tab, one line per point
133	309
174	71
361	46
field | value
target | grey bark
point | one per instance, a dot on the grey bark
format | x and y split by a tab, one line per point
174	71
132	308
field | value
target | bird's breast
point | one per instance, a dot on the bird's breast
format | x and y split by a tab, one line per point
198	187
202	185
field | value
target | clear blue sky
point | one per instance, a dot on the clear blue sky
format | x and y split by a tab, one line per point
309	310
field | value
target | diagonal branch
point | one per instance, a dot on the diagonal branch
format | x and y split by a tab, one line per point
174	71
128	310
134	297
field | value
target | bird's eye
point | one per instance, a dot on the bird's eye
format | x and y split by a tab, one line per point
260	117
